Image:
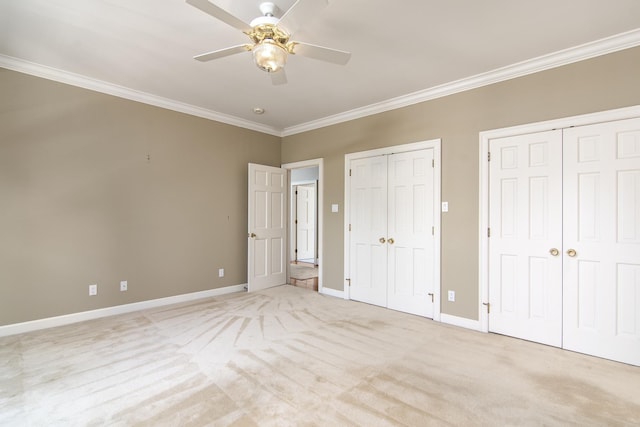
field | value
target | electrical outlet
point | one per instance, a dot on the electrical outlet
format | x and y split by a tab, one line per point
221	272
93	289
451	296
123	285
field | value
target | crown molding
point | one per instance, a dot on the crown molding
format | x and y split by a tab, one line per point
78	80
557	59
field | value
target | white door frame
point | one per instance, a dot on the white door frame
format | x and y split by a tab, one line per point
319	209
485	138
434	144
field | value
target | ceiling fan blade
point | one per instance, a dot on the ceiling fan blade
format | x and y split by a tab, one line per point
221	14
278	78
300	13
222	53
334	56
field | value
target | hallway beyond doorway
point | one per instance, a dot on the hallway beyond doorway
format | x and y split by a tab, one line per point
304	275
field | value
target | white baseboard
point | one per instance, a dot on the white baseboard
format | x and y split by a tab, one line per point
332	292
50	322
460	321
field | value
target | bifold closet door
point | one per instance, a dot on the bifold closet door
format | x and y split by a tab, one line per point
410	241
525	260
602	240
368	219
392	247
564	250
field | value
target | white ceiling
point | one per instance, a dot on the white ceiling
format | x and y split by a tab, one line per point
402	52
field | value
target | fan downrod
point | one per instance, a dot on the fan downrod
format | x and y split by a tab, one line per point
268	8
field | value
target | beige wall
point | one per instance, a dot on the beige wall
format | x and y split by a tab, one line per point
607	82
80	203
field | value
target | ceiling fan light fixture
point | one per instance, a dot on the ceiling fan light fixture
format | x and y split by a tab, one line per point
269	56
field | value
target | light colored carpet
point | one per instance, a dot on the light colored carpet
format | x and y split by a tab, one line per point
289	356
303	271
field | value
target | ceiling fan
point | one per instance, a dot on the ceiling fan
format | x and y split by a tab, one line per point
270	36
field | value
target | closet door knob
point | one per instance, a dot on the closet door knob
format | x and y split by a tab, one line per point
391	241
571	252
554	251
382	240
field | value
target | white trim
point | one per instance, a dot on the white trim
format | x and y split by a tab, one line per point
582	52
483	240
332	292
346	267
483	203
434	144
101	86
305	182
307	164
437	218
403	148
67	319
460	321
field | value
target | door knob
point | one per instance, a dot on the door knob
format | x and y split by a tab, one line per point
571	252
391	241
252	235
554	251
382	240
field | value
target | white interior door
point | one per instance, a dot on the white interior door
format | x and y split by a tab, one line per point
525	262
602	233
392	249
587	298
306	222
267	227
410	242
368	219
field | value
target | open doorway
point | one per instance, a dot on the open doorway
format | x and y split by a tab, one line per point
305	222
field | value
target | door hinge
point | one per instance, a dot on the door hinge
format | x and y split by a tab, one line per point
296	192
296	221
348	281
489	232
349	172
433	231
489	156
488	307
349	227
433	163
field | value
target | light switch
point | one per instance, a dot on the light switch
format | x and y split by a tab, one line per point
334	208
445	206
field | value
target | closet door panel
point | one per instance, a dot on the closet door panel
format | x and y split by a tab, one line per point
602	240
410	243
368	219
525	262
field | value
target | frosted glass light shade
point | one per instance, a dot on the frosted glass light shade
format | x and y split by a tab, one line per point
269	56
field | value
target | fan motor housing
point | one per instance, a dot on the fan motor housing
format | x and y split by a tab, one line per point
269	32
